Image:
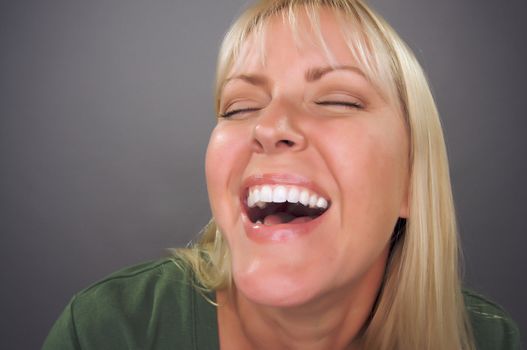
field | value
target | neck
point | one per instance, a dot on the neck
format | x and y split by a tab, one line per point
331	321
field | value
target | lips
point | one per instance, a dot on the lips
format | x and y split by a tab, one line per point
279	207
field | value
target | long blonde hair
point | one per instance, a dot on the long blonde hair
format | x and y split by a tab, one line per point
420	304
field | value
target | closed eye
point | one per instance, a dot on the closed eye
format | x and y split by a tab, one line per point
233	112
347	104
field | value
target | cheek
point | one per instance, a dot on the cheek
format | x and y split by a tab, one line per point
224	162
369	159
218	144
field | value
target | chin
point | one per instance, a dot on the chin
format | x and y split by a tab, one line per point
275	289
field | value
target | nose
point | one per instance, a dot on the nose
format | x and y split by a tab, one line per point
276	131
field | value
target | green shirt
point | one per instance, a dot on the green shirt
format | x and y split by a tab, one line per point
156	306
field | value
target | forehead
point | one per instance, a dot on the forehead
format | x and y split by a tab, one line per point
293	38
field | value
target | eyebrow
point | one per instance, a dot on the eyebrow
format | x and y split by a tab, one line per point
312	74
317	73
253	79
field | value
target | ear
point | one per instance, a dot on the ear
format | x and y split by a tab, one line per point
404	210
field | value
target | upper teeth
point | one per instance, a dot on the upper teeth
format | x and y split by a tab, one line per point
261	195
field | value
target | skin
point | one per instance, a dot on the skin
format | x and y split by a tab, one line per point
312	291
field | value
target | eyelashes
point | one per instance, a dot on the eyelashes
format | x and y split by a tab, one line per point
347	104
228	114
331	103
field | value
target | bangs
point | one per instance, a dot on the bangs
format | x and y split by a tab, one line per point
362	33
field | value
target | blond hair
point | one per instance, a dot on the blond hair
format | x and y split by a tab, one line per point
420	304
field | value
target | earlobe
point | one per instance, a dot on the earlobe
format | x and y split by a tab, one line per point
404	210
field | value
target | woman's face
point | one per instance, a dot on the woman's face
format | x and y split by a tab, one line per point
307	171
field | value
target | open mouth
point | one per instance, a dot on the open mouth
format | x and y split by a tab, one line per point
278	204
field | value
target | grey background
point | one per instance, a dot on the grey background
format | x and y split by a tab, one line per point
105	111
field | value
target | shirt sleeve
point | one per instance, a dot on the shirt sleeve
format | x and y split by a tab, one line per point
63	335
496	332
493	328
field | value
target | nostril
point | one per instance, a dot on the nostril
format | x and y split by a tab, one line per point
287	143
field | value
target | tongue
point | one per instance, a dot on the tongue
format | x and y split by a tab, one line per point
281	218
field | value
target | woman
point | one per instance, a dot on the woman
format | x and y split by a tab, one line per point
333	226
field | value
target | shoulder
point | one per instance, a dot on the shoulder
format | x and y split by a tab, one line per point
154	304
136	288
149	277
493	328
158	291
